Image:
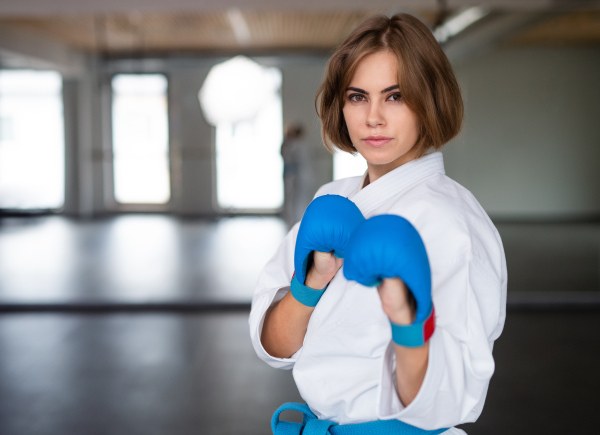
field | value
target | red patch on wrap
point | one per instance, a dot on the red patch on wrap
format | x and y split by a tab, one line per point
429	326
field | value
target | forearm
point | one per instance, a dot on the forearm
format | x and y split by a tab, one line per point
286	322
411	366
411	362
285	326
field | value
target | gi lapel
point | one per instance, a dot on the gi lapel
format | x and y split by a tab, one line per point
370	198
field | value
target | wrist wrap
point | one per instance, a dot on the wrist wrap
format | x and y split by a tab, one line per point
305	295
414	335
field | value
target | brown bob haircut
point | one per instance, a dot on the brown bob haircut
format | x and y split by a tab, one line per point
425	77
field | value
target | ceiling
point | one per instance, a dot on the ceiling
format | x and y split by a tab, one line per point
137	27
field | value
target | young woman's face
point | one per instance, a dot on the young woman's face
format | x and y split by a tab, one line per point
382	128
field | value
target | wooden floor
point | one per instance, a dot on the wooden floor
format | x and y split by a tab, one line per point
166	349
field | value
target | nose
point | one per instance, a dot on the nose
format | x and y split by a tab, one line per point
375	116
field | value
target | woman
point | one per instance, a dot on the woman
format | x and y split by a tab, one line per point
390	95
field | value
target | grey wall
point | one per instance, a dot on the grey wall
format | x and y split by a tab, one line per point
85	182
302	76
531	143
191	143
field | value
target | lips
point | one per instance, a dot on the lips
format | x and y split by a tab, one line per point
377	141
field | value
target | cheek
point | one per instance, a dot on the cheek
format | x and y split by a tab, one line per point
411	124
346	120
350	120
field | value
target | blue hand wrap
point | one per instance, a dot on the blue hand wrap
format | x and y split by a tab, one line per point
311	425
326	226
305	295
415	335
388	246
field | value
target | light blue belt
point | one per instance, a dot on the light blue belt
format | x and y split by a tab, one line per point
311	425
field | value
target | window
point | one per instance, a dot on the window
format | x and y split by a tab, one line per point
243	101
249	163
347	165
140	139
32	146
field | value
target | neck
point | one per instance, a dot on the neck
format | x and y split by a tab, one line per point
378	171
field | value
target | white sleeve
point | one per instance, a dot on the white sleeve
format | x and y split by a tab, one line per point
273	284
470	305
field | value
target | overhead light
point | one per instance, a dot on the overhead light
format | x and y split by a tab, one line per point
239	25
459	22
235	90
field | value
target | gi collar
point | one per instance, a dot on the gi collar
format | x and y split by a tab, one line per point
371	197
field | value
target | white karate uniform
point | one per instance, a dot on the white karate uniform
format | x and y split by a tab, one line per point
345	368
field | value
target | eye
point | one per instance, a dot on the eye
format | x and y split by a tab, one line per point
395	97
356	98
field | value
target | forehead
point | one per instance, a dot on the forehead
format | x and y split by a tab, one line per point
377	70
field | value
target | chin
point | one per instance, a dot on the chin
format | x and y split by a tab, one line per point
379	160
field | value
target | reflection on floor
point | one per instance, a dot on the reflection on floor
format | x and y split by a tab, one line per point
162	374
195	373
153	258
134	259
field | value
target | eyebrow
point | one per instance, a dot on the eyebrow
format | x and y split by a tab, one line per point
362	91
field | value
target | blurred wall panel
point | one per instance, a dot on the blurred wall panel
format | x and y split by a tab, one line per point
529	148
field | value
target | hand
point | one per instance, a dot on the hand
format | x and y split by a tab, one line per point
324	231
322	270
397	301
388	246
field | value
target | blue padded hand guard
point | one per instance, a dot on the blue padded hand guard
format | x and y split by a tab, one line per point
326	226
388	246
